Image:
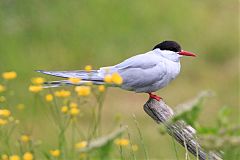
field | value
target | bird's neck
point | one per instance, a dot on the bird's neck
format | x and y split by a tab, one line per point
168	55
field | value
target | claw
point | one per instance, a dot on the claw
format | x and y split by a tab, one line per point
153	96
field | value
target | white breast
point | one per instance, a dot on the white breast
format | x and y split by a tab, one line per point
172	71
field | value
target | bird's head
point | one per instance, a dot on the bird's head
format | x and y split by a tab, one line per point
172	50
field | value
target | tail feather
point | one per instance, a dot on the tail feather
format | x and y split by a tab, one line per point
84	75
52	84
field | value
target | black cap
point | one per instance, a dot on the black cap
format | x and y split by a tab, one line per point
169	45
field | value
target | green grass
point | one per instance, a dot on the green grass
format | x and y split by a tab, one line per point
67	35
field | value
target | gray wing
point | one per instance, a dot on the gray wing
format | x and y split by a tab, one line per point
141	71
146	60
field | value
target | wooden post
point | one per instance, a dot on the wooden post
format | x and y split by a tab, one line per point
180	131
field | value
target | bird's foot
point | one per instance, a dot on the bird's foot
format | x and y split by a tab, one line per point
153	96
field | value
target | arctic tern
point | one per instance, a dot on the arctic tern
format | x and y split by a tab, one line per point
143	73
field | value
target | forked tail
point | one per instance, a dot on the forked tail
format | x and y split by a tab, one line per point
86	77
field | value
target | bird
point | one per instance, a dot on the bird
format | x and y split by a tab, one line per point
142	73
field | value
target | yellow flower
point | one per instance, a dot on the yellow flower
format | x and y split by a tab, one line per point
74	80
117	79
9	75
35	88
3	122
108	78
74	111
5	113
122	142
55	153
64	109
101	88
14	157
134	147
2	99
25	138
73	105
81	144
28	156
88	68
4	157
2	88
49	97
38	80
62	93
83	90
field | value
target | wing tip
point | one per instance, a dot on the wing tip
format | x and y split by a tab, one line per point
40	71
43	71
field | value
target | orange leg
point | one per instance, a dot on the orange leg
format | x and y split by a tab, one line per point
153	96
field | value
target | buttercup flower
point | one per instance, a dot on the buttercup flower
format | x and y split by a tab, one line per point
9	75
5	113
83	90
73	105
2	88
81	144
74	80
38	80
14	157
64	109
88	68
101	88
49	97
27	156
74	111
25	138
117	79
122	142
35	88
3	122
62	93
55	153
108	78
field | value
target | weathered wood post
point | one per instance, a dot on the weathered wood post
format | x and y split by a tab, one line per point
180	131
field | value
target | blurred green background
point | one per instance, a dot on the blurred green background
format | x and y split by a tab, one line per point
67	35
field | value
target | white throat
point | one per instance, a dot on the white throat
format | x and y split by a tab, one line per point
170	55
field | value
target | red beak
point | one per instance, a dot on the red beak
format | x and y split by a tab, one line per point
186	53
